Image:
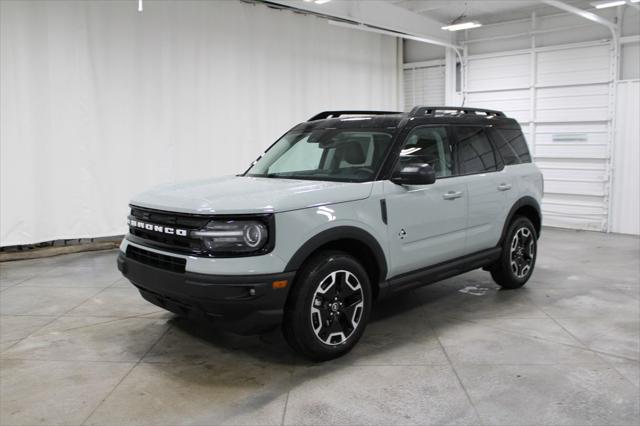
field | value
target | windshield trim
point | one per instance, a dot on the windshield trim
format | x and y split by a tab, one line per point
314	178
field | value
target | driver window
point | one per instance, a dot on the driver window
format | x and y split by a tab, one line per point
428	145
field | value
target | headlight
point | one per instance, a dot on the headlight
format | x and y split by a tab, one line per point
233	235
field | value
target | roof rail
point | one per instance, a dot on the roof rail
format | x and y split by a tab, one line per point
420	111
335	114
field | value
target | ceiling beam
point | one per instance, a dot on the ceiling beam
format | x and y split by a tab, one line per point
432	5
405	36
378	14
583	13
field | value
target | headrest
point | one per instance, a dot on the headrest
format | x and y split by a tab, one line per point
352	152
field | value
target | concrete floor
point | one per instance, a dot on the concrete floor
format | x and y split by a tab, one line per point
78	345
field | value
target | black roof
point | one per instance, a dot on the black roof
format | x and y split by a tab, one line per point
391	121
354	119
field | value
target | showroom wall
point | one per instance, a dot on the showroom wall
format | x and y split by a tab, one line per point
625	217
100	101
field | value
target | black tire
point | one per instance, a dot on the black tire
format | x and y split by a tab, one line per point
305	326
518	257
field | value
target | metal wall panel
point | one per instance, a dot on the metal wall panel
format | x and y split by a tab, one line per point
625	209
423	85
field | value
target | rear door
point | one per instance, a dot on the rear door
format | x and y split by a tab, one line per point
426	223
512	147
487	184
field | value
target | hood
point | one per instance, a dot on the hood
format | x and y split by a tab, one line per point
243	194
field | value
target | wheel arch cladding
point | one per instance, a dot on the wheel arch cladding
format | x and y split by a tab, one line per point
527	207
354	241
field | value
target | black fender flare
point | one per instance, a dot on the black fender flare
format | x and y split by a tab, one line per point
334	234
526	201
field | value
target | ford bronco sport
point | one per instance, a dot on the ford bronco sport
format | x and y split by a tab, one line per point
344	209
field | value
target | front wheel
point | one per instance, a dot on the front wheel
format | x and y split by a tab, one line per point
329	306
518	257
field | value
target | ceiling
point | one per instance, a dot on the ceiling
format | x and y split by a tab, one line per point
485	11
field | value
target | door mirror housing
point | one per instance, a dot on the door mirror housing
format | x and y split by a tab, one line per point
415	174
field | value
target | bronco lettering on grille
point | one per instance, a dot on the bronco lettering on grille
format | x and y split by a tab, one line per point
157	228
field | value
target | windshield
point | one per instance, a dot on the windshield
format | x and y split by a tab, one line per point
325	154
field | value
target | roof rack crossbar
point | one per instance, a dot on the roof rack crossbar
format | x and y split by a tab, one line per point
335	114
420	111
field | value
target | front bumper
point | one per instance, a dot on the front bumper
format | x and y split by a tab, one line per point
244	304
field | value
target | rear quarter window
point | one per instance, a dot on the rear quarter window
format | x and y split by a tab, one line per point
474	151
511	145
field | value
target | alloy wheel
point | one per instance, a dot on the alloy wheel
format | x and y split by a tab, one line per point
336	307
522	252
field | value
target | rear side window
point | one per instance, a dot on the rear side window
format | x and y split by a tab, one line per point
474	151
511	145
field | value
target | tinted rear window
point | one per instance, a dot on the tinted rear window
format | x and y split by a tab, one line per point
512	146
475	153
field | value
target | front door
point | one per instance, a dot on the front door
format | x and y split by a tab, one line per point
426	223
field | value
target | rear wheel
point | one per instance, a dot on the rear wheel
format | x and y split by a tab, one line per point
518	257
329	306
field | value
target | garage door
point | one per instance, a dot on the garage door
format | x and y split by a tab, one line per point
562	97
423	84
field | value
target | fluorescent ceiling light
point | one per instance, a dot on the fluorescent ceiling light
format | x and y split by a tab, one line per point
609	3
462	26
635	1
322	1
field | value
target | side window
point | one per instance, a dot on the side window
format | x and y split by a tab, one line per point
428	145
512	145
474	151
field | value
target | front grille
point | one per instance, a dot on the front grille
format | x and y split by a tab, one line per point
168	218
185	222
178	243
169	263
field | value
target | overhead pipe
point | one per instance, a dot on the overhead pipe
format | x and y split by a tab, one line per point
372	29
584	14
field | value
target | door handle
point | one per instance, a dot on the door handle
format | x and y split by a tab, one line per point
452	195
504	187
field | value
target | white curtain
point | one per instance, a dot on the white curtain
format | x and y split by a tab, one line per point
99	101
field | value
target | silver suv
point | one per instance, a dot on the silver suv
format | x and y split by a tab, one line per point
344	209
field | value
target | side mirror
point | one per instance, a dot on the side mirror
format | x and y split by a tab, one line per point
415	174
